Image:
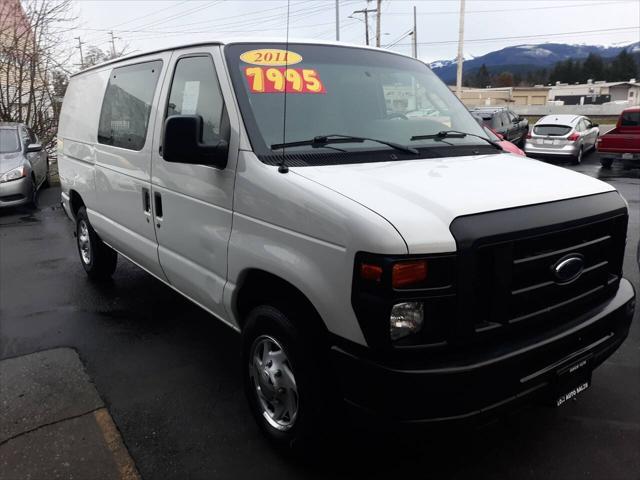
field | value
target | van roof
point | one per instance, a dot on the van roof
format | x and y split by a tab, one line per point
229	41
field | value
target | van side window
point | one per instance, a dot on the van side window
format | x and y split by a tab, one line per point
195	91
127	105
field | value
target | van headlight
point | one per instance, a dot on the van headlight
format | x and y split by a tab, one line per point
15	174
406	319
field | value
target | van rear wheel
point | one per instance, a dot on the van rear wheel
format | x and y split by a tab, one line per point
98	259
284	381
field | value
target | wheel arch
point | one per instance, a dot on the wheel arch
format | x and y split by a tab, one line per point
257	287
75	202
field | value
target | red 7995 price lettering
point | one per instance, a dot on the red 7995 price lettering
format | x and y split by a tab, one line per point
274	80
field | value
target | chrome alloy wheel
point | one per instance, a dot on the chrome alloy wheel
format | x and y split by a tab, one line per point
274	383
84	242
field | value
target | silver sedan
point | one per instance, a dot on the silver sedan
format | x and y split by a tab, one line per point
24	165
568	136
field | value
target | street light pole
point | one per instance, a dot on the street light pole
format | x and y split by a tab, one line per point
378	13
460	51
366	13
337	20
415	34
80	43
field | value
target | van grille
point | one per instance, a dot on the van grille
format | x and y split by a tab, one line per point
506	279
517	282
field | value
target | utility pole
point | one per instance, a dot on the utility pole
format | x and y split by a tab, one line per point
337	20
366	13
415	34
378	13
113	45
80	47
460	51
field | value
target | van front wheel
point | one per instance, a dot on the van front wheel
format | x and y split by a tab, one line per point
98	259
283	379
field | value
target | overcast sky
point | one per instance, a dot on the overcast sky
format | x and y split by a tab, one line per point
489	25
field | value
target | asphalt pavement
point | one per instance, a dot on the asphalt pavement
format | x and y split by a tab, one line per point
169	375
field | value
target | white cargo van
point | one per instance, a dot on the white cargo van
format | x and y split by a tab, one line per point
374	249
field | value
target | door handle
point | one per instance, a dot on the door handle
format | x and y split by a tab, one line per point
157	198
146	203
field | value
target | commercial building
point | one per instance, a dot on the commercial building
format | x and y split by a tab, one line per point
596	93
537	95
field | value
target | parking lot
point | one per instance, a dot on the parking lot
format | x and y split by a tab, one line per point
169	375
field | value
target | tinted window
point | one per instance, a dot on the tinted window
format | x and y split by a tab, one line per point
127	105
496	121
195	91
343	90
9	140
630	119
552	130
24	135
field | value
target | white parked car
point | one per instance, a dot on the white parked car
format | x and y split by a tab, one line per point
399	267
565	136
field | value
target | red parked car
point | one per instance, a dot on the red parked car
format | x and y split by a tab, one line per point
623	142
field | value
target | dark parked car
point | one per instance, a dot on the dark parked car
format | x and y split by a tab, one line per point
513	128
24	165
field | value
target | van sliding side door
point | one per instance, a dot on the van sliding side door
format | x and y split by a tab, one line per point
193	203
122	214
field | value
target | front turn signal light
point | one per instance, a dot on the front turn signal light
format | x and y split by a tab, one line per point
405	274
370	272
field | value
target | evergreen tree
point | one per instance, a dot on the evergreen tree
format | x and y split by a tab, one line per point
623	67
592	68
483	77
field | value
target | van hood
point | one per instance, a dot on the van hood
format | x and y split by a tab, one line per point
421	198
9	161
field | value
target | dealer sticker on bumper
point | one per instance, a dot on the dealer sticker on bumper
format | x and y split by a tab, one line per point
572	393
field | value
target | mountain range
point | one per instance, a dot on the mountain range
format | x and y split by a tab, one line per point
523	58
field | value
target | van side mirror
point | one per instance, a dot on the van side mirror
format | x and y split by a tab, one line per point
34	147
182	143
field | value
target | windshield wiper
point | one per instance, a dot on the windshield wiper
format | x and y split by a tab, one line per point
454	134
323	140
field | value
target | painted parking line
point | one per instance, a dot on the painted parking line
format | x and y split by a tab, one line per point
112	438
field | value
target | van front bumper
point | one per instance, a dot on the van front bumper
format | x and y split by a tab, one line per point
16	192
477	384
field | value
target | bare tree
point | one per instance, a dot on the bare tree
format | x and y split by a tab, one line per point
95	55
34	59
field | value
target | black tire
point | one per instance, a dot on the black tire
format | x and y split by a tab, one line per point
577	160
33	201
45	183
307	365
99	260
606	162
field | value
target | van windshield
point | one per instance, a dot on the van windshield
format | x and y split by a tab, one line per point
335	90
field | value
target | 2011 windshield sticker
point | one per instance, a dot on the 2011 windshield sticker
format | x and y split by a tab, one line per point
271	57
275	80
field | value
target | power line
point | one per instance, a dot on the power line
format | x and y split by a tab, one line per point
447	42
140	17
455	12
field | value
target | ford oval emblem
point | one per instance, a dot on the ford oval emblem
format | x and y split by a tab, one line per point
568	268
